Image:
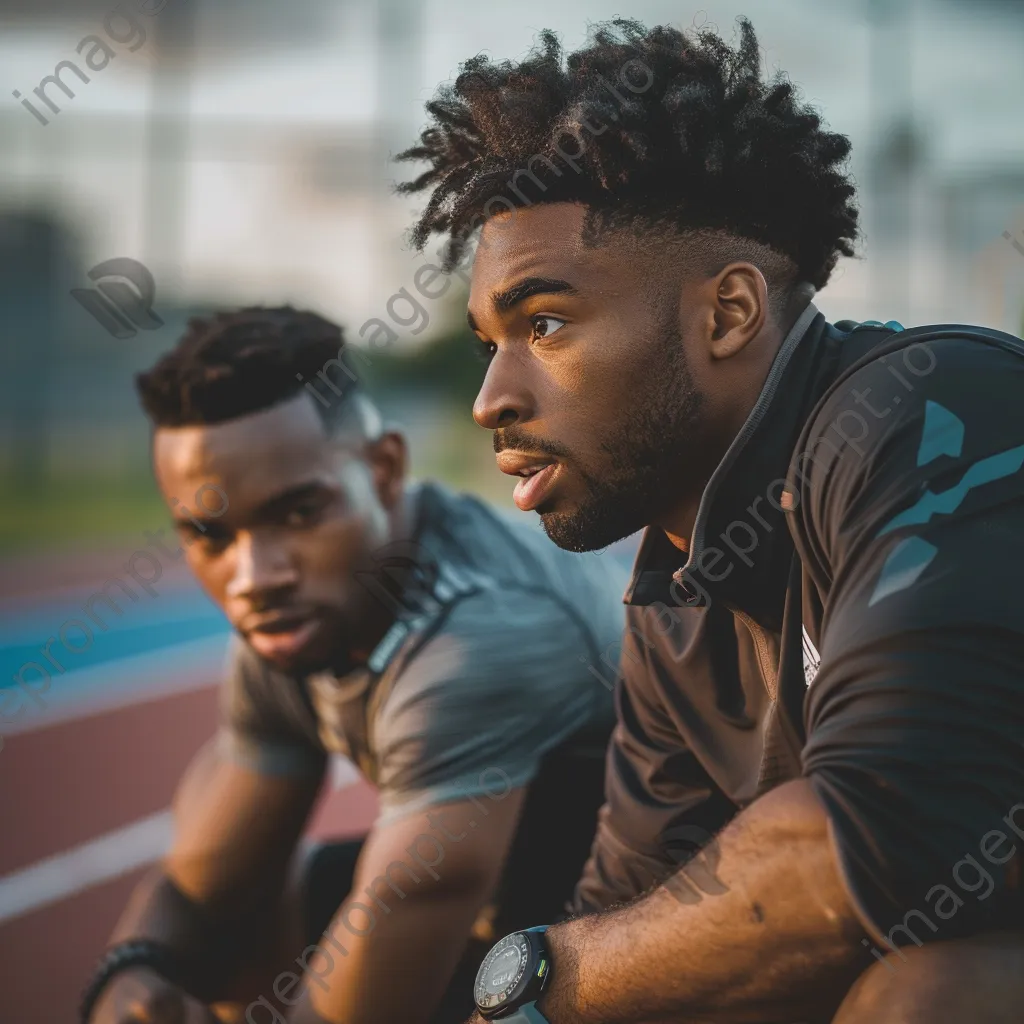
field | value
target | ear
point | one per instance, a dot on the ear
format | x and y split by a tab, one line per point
740	305
388	458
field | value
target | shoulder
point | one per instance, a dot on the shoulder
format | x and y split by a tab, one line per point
940	451
500	681
255	690
244	670
900	410
502	654
507	635
268	722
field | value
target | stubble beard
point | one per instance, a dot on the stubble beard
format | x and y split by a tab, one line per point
646	457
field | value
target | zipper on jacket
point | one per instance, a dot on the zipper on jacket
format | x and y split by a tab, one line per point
764	658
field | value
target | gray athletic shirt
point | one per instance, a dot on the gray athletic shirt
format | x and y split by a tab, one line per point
469	689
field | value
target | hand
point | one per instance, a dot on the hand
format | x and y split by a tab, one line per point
141	996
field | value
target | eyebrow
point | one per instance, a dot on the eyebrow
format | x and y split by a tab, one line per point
272	505
504	300
507	298
285	498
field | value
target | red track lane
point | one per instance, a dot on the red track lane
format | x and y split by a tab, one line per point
73	782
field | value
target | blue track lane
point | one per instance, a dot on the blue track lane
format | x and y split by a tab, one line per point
152	626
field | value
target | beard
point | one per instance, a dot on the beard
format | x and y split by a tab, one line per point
645	456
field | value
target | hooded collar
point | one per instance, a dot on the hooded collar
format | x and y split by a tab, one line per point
740	549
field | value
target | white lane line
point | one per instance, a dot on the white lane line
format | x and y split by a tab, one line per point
109	856
99	860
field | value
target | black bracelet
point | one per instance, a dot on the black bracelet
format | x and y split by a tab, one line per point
131	953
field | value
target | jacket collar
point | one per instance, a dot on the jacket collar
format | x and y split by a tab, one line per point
740	549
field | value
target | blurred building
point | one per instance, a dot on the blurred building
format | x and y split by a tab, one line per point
240	150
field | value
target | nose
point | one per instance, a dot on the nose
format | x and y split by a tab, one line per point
504	398
263	567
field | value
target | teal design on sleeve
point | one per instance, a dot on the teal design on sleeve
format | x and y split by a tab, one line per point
903	567
943	434
984	471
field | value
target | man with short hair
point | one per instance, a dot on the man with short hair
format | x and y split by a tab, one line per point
824	660
449	652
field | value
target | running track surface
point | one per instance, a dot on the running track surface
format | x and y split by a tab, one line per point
86	777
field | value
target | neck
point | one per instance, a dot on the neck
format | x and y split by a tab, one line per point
380	586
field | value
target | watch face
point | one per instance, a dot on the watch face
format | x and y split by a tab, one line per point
502	970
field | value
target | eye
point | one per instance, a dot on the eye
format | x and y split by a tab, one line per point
545	326
306	513
214	544
485	351
212	540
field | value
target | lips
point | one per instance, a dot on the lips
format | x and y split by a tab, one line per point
538	475
281	636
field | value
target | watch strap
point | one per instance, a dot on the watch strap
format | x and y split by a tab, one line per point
526	1014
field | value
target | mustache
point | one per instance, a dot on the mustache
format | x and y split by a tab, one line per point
517	439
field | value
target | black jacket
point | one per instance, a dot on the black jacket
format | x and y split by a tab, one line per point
850	611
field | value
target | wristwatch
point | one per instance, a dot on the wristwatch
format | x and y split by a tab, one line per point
512	977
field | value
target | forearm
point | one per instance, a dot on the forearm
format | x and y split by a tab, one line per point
215	945
391	950
420	942
776	944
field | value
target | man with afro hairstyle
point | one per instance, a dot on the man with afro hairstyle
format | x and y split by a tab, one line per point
824	663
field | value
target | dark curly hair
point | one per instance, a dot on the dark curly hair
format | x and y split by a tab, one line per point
684	132
233	364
